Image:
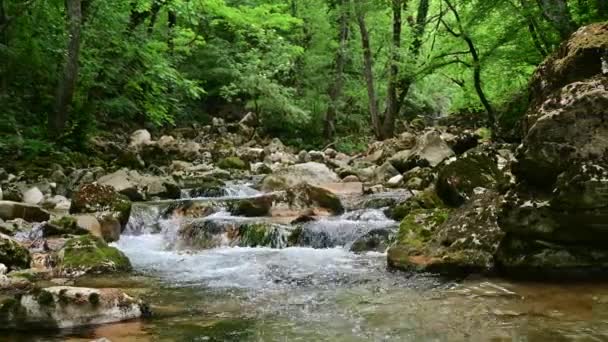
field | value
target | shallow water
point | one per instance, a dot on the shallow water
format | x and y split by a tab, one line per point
307	294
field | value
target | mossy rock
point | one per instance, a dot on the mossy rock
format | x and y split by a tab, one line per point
309	196
12	254
230	163
263	235
426	199
94	198
251	207
211	188
66	225
91	255
457	179
419	225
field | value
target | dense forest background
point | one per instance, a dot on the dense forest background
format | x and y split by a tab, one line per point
314	71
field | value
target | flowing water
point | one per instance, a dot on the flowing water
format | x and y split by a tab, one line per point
329	294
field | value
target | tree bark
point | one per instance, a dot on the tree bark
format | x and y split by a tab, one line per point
368	73
392	108
57	120
335	90
476	63
558	14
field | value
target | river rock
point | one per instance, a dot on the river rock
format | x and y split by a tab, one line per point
208	233
556	215
419	178
90	255
426	199
430	150
463	242
12	210
458	177
12	254
139	138
97	198
141	187
66	225
385	172
232	163
33	196
62	307
377	240
306	196
311	173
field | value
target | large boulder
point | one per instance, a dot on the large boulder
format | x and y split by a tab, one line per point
465	242
12	210
556	216
12	254
458	177
311	173
90	255
62	307
430	150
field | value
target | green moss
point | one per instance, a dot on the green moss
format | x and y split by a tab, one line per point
63	226
45	298
294	237
90	254
94	299
418	226
254	235
232	163
13	255
426	199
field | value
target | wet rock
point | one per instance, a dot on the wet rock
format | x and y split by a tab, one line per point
305	196
12	254
260	168
311	173
96	198
458	178
90	255
377	240
12	210
395	181
62	307
252	207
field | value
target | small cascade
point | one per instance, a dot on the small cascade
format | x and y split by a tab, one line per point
344	230
33	234
230	190
144	218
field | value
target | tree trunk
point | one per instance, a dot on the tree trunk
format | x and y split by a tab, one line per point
67	85
558	14
171	22
536	39
368	74
602	8
335	90
388	126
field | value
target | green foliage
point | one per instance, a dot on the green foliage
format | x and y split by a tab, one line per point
277	59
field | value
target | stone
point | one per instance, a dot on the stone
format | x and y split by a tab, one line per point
311	173
377	240
458	177
12	210
385	172
460	243
33	196
260	168
430	150
419	178
351	179
3	269
12	254
57	202
90	255
304	196
303	157
316	156
249	119
252	207
395	181
139	138
63	307
232	163
251	154
90	223
96	198
66	225
426	199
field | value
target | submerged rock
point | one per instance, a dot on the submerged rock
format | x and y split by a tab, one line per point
62	307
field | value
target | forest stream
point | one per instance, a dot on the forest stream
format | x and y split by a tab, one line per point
325	294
